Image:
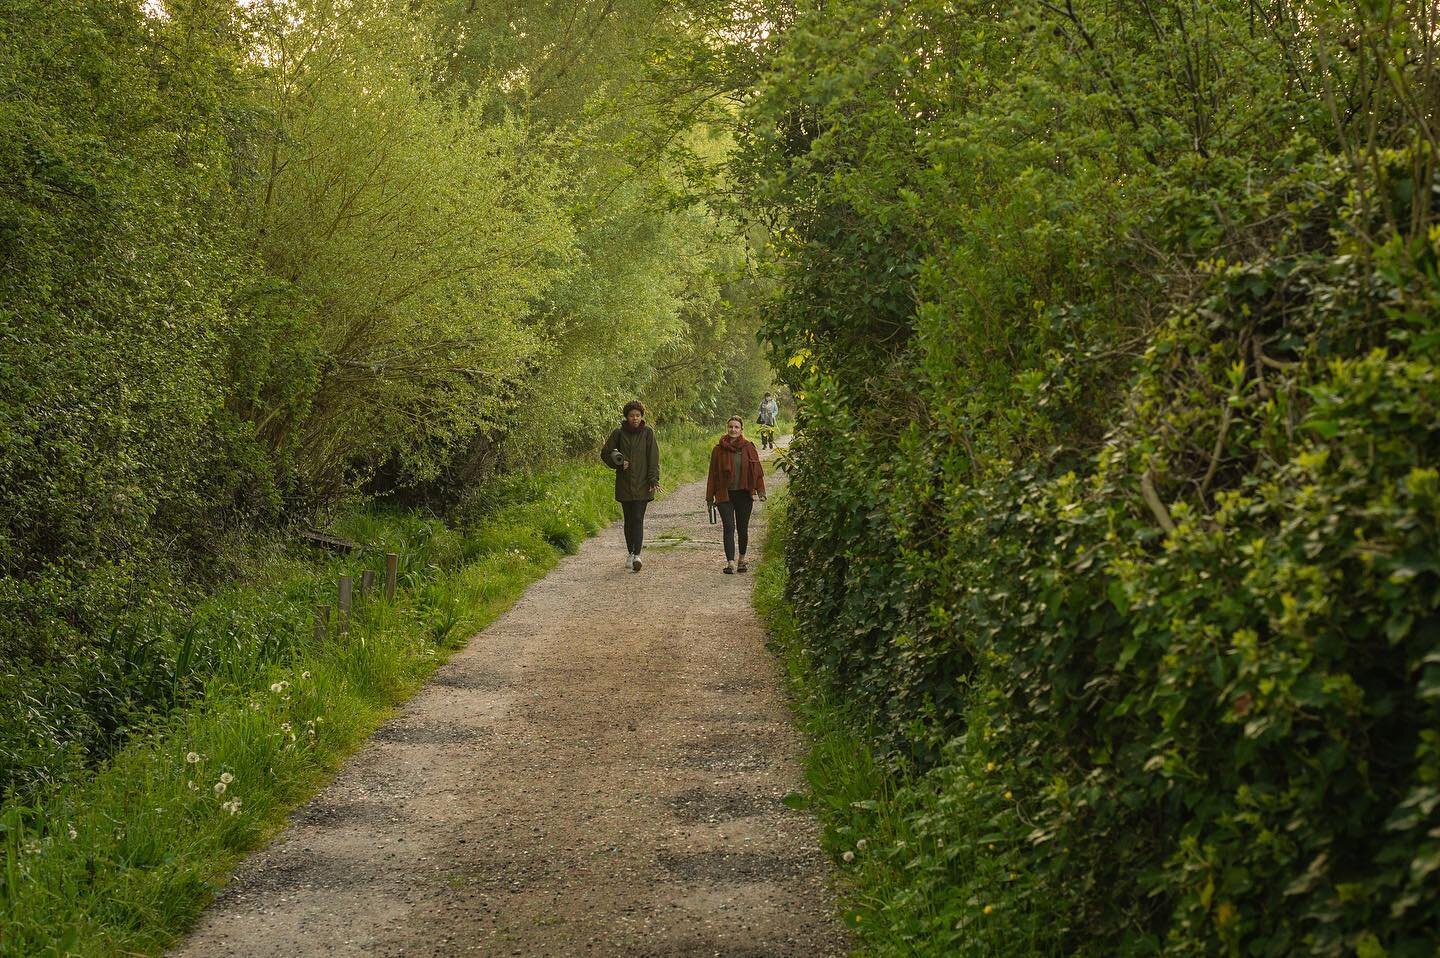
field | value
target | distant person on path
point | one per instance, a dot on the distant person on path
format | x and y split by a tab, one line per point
634	454
736	480
769	409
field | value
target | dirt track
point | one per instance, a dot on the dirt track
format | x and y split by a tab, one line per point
600	772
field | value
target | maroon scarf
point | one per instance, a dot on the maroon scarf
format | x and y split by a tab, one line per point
625	425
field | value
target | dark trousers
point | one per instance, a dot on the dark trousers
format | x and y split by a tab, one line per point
634	525
735	514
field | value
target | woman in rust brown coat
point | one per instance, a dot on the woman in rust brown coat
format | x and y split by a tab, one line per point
736	480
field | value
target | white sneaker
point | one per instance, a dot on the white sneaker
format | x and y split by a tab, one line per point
629	560
635	566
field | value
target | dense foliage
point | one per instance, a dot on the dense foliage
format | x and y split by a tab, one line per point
256	258
1116	511
123	860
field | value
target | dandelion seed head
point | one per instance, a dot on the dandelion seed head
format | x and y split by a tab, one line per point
226	777
192	757
219	788
848	856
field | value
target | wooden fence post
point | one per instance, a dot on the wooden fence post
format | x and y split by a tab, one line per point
367	582
322	621
392	570
347	586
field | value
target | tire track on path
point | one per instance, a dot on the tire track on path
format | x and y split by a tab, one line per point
599	772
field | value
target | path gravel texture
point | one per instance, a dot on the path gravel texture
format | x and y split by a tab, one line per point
600	772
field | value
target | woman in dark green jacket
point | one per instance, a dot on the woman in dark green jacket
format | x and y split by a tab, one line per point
634	454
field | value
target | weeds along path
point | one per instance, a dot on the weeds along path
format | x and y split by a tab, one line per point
600	772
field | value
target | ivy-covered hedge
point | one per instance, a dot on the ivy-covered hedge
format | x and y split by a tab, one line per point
1116	509
1205	723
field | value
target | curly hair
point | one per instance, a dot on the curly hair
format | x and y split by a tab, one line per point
633	404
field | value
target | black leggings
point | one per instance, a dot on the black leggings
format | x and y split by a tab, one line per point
634	524
735	513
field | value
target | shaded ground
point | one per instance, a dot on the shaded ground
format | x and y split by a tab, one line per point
598	773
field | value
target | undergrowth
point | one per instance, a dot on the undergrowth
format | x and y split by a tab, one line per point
122	858
919	873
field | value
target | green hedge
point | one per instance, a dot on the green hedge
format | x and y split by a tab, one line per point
1224	737
1115	508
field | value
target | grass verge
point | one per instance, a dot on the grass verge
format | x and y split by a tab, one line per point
124	860
919	873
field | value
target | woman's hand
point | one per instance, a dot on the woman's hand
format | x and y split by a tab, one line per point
762	497
655	487
626	466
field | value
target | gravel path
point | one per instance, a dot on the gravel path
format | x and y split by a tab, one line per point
600	772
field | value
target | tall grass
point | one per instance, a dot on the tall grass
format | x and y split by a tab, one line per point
122	860
919	876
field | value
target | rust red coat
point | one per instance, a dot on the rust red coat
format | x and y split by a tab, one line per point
722	460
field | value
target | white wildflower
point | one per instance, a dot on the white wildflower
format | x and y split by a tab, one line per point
848	856
192	757
219	789
226	777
